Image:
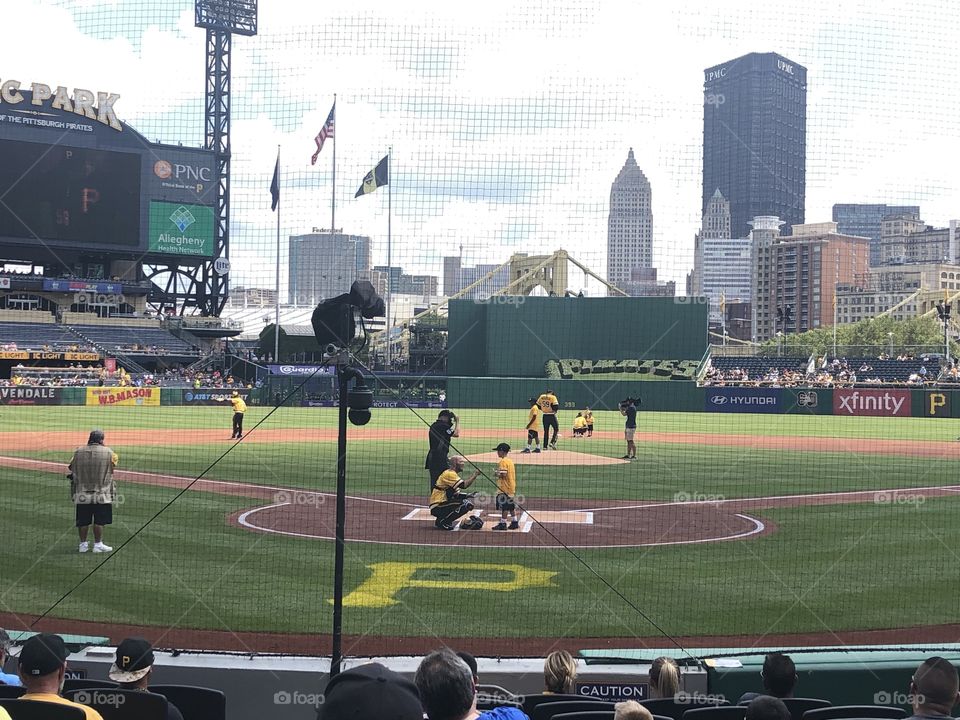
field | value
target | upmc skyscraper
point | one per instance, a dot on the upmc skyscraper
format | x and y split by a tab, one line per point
755	138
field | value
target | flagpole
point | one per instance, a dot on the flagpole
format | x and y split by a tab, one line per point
389	245
276	323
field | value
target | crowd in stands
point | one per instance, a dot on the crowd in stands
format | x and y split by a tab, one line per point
447	686
829	372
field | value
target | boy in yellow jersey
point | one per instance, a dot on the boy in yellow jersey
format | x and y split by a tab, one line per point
588	416
533	427
506	489
548	406
447	503
239	408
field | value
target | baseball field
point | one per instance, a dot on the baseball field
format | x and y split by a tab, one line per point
747	529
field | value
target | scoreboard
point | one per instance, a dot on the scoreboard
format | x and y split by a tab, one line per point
78	195
71	182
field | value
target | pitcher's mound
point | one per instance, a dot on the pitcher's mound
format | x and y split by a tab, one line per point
550	457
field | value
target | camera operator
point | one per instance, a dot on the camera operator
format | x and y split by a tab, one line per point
446	426
628	408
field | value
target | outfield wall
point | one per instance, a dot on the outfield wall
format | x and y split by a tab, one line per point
465	392
676	396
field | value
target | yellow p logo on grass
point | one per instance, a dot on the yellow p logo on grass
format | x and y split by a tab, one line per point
389	578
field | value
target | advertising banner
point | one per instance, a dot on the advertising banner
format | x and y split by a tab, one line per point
30	355
216	396
872	402
743	399
181	175
176	229
79	286
126	396
381	404
300	370
27	395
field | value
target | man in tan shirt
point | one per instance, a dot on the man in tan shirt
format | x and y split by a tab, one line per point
93	490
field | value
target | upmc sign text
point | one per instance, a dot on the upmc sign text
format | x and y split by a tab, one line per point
880	403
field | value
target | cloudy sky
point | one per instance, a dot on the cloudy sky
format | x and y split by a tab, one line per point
509	120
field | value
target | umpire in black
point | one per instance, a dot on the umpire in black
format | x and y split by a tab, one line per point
445	427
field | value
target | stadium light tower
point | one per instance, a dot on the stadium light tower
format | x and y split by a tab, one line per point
222	19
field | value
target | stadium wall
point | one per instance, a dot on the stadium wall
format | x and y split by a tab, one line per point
514	336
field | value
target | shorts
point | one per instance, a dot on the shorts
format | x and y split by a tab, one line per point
590	427
628	434
532	434
94	513
505	502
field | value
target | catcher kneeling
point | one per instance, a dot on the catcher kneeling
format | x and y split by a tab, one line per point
448	503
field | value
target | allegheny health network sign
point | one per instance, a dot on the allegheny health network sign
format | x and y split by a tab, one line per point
180	229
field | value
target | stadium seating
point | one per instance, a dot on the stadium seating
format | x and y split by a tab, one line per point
34	336
133	705
71	684
848	712
531	702
798	706
11	692
674	708
722	712
888	371
547	711
33	710
194	703
123	339
756	367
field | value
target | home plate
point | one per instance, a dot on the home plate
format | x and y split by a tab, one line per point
491	518
550	457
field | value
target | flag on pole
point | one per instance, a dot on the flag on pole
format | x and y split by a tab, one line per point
325	132
275	185
377	177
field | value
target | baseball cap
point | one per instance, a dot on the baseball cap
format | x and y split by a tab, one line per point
42	654
134	660
235	393
503	446
370	691
532	401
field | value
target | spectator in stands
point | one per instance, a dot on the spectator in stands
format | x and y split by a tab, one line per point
631	710
779	677
934	689
133	667
93	489
764	707
559	673
370	691
498	713
43	667
448	689
664	678
5	678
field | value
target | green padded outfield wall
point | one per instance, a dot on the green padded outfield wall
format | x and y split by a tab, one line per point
514	336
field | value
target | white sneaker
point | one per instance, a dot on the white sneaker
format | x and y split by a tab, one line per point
84	546
101	548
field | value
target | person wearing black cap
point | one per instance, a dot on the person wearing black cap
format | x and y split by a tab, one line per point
506	489
93	490
43	666
533	427
370	691
133	668
446	427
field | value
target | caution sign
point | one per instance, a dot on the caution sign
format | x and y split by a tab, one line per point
613	691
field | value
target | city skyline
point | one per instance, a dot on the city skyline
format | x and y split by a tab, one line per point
504	161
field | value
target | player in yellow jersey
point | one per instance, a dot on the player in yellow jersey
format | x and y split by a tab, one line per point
447	503
588	416
533	428
239	408
506	489
579	425
548	407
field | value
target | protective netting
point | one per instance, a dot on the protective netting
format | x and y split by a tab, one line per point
790	488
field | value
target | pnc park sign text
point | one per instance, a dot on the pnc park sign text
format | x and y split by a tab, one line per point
97	106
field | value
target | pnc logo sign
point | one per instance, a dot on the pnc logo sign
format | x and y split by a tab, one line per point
877	403
165	170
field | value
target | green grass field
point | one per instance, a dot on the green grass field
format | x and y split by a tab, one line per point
823	569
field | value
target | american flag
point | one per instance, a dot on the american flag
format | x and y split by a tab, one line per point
325	132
